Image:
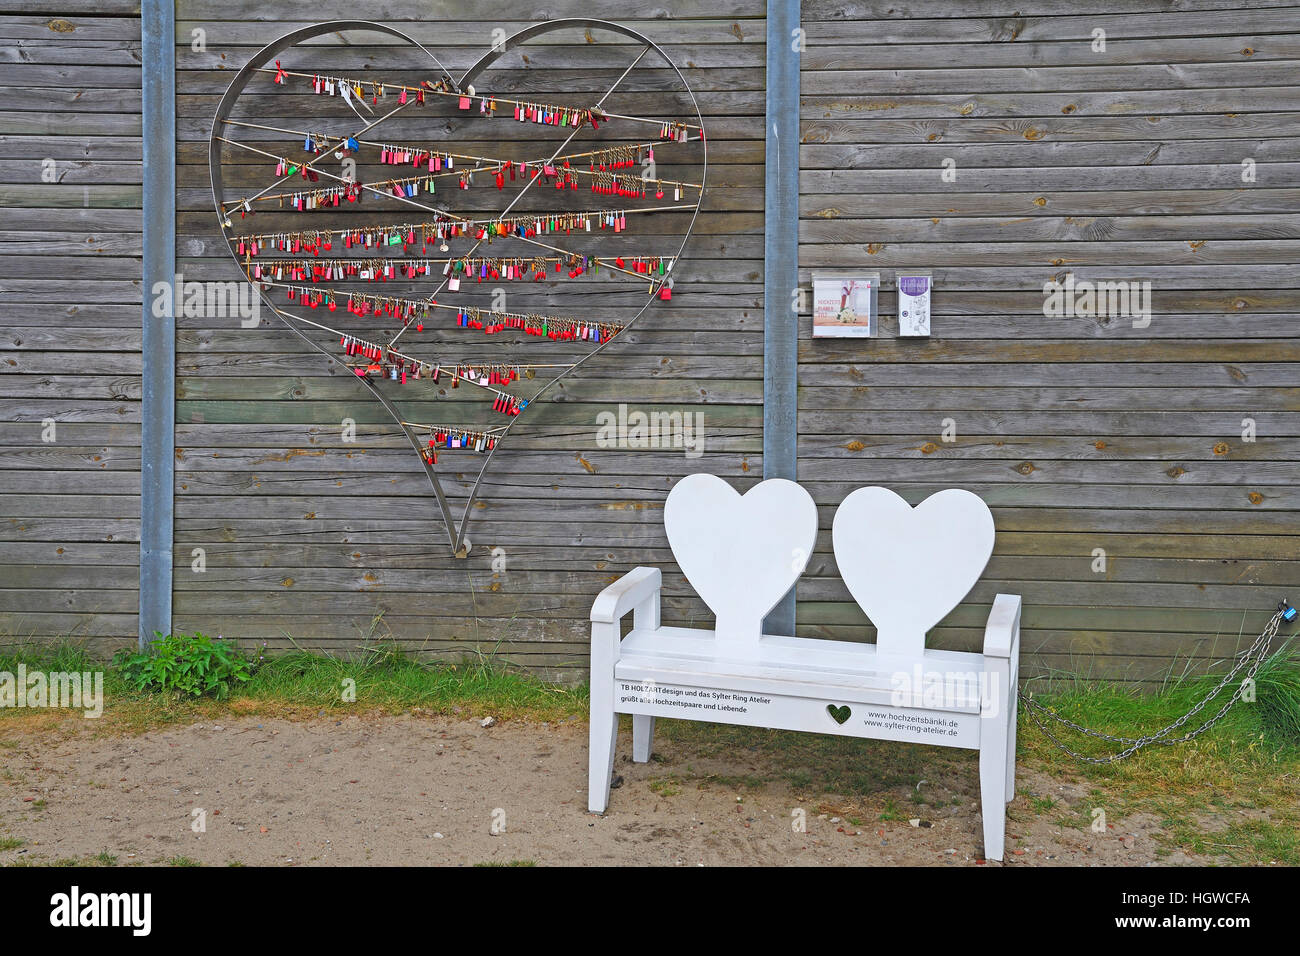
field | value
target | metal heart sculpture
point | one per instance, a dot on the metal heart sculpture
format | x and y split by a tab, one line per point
294	262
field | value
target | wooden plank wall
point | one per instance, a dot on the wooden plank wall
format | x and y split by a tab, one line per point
1124	164
70	304
331	544
1081	433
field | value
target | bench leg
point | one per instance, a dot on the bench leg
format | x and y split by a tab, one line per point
1011	745
600	766
604	722
996	763
643	737
993	800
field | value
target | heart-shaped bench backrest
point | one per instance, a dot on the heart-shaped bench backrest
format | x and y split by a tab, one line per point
742	554
908	567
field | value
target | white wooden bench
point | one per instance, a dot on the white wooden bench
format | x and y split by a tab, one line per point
906	567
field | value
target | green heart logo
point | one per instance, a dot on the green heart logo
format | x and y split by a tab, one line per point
839	714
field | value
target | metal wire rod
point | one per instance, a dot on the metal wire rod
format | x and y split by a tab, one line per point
489	161
478	94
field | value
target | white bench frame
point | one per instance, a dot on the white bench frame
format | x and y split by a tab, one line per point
790	684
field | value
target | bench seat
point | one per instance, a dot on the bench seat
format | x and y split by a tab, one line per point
788	666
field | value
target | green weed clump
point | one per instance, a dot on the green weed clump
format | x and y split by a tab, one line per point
188	665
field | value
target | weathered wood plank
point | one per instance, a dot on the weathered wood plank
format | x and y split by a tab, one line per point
399	12
977	31
855	113
1025	205
838	55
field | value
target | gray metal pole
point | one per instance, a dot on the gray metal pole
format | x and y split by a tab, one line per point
781	264
158	389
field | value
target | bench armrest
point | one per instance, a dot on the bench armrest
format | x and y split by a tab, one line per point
630	591
1002	634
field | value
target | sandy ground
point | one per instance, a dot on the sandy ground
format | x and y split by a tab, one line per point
423	790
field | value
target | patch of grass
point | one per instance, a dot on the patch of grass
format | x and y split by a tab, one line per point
182	861
1247	841
380	677
1078	815
386	676
38	804
101	859
799	779
64	655
1043	804
891	811
10	843
669	786
1277	694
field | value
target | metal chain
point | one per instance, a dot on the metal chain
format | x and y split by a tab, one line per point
1253	655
